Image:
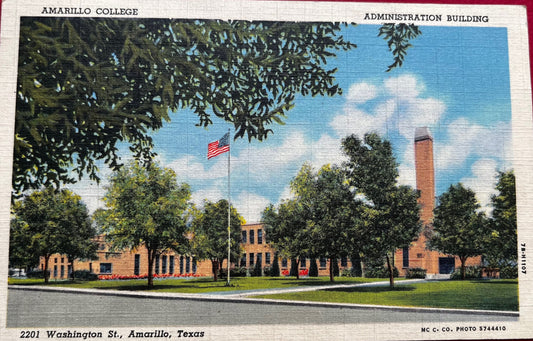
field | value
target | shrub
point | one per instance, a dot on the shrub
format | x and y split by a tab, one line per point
415	273
346	273
380	272
256	270
274	271
356	270
85	275
471	272
508	272
37	274
335	267
313	268
294	268
234	272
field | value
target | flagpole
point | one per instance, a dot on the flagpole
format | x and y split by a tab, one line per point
229	207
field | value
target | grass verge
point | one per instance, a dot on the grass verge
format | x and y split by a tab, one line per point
480	294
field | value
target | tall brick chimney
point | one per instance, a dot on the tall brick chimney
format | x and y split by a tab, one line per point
425	173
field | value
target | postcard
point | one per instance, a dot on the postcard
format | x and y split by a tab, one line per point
265	170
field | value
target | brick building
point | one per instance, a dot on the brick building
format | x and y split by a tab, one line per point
255	249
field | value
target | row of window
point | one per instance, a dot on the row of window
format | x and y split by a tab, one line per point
250	259
166	265
250	237
254	259
62	269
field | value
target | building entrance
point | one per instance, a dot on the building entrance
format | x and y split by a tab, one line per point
446	265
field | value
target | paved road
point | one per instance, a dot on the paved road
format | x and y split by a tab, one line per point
28	308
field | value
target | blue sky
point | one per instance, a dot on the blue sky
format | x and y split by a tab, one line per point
454	80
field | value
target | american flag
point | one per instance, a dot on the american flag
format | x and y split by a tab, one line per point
218	147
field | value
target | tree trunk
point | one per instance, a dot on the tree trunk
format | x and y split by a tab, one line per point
391	272
214	269
463	270
331	274
151	258
71	261
46	274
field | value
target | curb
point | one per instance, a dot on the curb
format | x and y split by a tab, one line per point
238	299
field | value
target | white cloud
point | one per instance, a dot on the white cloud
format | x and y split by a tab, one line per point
327	151
250	205
361	92
268	160
190	168
404	87
466	140
399	107
482	181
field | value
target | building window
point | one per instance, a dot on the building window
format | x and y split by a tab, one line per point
323	262
182	264
137	265
69	270
156	265
106	268
251	258
406	257
194	265
164	264
243	239
419	255
55	260
267	257
284	263
187	264
55	270
243	260
62	259
62	271
344	261
303	263
259	236
252	236
171	265
260	259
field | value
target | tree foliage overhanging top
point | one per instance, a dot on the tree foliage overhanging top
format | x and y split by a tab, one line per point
87	83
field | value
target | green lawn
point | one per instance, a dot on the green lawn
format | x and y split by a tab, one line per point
481	294
199	285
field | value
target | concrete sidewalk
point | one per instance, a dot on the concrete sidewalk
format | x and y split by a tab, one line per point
257	292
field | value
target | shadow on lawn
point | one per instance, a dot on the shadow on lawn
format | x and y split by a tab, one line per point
373	289
311	282
492	282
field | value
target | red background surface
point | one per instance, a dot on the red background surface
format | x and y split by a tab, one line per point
527	3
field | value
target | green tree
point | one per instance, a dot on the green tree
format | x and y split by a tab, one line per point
210	234
146	206
48	222
332	212
458	225
86	83
501	243
390	217
286	228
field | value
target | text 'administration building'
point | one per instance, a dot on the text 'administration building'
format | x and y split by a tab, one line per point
417	255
